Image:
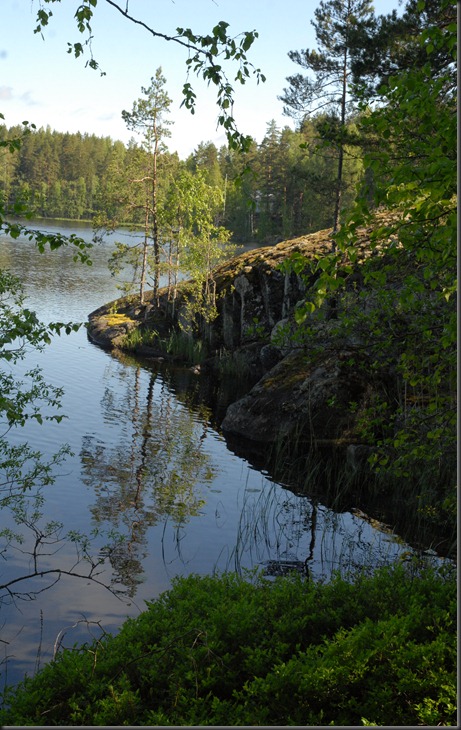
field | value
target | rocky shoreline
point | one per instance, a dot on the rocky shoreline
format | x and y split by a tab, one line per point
305	394
311	395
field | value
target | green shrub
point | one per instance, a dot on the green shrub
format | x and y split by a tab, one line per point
228	651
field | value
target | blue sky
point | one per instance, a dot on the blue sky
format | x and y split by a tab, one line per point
41	83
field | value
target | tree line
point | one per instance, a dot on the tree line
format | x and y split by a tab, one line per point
291	183
281	187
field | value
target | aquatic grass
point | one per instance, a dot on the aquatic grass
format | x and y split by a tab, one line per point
231	364
138	337
183	346
420	510
254	535
179	345
280	532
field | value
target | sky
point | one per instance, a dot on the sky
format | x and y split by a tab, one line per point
43	84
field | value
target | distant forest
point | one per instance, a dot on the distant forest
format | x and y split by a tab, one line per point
281	188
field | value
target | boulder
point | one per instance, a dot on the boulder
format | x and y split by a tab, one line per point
108	330
310	401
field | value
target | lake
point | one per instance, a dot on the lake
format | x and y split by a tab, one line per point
151	481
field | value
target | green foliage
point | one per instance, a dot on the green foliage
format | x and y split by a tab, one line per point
404	316
196	244
233	365
19	326
18	205
138	337
21	401
326	91
287	192
337	26
419	123
23	472
225	651
148	118
183	346
392	44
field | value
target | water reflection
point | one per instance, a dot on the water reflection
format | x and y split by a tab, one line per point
156	469
152	475
282	531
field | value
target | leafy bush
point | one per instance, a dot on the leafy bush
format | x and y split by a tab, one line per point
223	650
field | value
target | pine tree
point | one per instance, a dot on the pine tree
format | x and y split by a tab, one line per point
393	45
205	159
338	24
148	119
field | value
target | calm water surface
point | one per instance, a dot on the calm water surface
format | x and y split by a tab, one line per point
151	481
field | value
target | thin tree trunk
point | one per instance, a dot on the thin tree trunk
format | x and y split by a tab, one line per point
142	284
339	178
155	218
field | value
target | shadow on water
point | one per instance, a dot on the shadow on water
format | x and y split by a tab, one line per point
322	475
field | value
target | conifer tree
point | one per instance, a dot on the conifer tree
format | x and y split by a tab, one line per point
392	45
148	119
338	25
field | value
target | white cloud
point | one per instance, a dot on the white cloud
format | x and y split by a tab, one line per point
6	93
107	117
27	99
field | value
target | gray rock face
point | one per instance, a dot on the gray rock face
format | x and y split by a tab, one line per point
254	303
297	399
302	394
270	355
107	333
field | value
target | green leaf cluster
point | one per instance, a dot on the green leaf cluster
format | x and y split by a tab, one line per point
281	187
402	317
220	650
203	54
23	471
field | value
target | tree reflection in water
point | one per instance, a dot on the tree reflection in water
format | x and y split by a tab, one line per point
156	470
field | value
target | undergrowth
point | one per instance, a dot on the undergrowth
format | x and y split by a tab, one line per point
137	337
220	650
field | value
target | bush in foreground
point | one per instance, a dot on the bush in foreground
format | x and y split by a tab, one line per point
225	651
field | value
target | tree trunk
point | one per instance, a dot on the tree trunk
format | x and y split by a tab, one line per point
142	284
155	218
339	178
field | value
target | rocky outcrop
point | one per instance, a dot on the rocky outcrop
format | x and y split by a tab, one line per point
310	404
254	294
311	401
109	330
313	395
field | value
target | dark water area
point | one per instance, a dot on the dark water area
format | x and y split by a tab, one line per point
151	480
